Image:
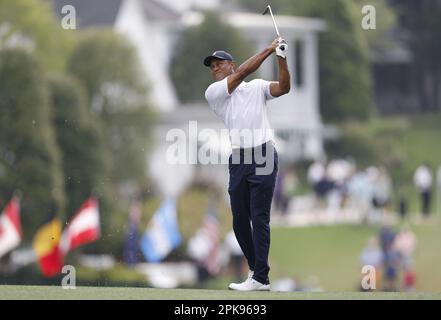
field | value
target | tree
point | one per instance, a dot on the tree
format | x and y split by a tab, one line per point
385	17
107	66
422	25
345	48
31	24
345	82
29	154
257	6
79	135
190	76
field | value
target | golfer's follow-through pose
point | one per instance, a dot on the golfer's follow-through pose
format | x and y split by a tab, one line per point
254	162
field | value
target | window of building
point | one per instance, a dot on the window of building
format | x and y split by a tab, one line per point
298	63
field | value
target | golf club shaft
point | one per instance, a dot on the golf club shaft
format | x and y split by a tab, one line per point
268	8
274	21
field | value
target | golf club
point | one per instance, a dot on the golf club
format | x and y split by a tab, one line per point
268	9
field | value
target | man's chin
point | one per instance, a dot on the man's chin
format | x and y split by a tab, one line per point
219	77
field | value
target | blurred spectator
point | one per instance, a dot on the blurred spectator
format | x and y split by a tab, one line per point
409	280
391	258
402	206
339	171
360	193
392	253
319	181
278	191
386	237
237	259
423	181
381	191
405	244
131	251
373	256
198	251
284	190
323	187
289	188
316	172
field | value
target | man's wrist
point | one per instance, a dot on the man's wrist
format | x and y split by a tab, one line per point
270	49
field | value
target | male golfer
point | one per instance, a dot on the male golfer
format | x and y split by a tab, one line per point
242	107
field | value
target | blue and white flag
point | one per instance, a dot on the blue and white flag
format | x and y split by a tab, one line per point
163	235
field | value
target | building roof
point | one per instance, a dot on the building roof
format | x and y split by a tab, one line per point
154	10
105	12
90	13
251	20
243	20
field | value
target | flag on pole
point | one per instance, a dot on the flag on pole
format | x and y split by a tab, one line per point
10	227
204	246
46	245
163	234
131	245
83	228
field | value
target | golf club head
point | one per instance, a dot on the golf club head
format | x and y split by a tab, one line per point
267	9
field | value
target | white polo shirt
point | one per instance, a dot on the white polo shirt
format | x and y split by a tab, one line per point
243	111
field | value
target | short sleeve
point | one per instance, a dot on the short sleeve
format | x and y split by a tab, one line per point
266	89
217	93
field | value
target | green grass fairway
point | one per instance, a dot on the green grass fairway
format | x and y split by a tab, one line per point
95	293
332	254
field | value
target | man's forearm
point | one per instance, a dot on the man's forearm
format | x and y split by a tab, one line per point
253	63
284	76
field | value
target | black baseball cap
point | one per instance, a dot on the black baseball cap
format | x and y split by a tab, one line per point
223	55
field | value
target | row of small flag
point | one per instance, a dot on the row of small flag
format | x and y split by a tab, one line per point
163	235
51	243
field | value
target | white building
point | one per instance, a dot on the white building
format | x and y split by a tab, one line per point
153	26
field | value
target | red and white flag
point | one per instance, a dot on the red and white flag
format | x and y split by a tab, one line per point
83	228
10	227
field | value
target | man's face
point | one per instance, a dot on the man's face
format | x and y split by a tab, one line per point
221	68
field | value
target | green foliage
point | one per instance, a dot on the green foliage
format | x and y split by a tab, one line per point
385	21
107	65
344	67
258	6
370	143
31	24
191	78
120	275
421	25
345	83
29	154
400	144
85	162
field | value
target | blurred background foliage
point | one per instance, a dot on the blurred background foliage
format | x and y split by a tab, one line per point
61	118
196	43
69	128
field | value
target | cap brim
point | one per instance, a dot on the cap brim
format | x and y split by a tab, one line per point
207	60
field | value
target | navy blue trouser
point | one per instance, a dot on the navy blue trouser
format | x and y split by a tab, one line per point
251	194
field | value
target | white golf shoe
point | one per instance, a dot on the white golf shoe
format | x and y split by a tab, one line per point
249	285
